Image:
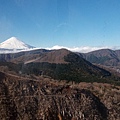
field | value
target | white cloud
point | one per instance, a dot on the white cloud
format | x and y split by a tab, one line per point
61	25
83	49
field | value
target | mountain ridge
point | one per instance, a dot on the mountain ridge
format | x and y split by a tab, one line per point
105	58
58	64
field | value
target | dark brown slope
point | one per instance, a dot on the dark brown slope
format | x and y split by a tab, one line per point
54	56
118	53
40	55
22	56
43	99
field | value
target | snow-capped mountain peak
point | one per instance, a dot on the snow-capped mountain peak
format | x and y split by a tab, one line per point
14	43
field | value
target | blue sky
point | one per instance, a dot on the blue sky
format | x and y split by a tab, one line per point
69	23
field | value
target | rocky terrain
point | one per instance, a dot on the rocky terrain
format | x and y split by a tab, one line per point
42	98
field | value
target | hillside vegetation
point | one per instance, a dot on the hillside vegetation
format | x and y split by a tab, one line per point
22	97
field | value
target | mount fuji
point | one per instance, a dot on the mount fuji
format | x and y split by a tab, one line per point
14	45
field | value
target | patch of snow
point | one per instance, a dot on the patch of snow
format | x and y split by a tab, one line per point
14	43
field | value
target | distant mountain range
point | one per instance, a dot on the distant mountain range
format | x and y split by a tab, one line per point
105	58
59	64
